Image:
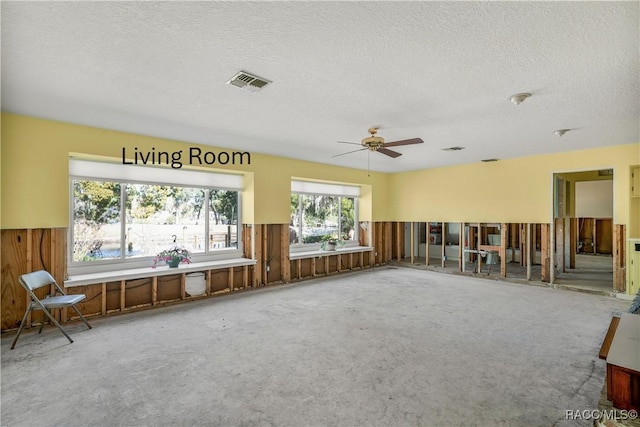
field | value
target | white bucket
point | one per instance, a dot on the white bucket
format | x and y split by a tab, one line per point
195	284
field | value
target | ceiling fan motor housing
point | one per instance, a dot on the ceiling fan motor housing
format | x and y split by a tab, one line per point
373	143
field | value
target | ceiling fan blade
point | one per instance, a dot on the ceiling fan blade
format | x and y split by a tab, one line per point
389	153
404	142
345	142
349	152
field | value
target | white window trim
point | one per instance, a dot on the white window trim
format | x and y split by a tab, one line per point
82	170
326	189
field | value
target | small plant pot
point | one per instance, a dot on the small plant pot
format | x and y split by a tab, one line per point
331	246
173	263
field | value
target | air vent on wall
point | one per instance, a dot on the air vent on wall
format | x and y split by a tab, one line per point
453	148
248	81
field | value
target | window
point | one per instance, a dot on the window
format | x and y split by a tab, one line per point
323	211
129	221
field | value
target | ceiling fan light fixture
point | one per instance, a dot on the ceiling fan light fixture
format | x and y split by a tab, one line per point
373	143
560	132
519	98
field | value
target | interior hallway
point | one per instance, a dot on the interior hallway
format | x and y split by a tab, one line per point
389	346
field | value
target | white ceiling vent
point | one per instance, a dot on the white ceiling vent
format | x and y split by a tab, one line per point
248	81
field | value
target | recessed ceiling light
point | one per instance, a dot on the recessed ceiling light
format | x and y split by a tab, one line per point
489	160
560	132
519	98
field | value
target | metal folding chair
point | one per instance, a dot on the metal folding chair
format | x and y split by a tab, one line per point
39	279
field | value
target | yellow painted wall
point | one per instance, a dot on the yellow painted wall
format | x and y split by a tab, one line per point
513	190
34	180
633	228
35	187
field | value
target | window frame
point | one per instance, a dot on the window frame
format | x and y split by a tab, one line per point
96	266
339	191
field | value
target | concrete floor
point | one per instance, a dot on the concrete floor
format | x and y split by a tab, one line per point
383	347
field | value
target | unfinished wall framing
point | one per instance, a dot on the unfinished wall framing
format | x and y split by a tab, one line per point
455	246
27	250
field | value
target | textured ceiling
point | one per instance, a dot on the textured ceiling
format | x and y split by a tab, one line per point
441	71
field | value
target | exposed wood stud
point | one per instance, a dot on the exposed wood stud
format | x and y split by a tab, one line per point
245	276
528	249
154	290
545	259
387	242
122	293
521	239
373	256
399	230
257	238
513	238
313	267
534	241
573	242
412	242
461	257
503	249
619	257
265	254
230	279
479	258
472	242
183	286
559	244
208	283
427	244
103	298
443	245
29	269
284	253
299	268
594	234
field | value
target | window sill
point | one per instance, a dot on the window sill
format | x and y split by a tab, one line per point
137	273
321	253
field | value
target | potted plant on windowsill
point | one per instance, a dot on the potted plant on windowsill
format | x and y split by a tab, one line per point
331	243
173	257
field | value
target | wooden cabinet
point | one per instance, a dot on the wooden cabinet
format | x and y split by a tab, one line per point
623	364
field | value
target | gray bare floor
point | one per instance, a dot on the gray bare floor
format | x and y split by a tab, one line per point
384	347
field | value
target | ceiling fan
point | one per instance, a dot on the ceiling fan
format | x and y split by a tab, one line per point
376	143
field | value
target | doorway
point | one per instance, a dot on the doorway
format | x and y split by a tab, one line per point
584	232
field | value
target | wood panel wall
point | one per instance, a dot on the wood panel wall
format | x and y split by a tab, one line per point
619	257
595	235
24	251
